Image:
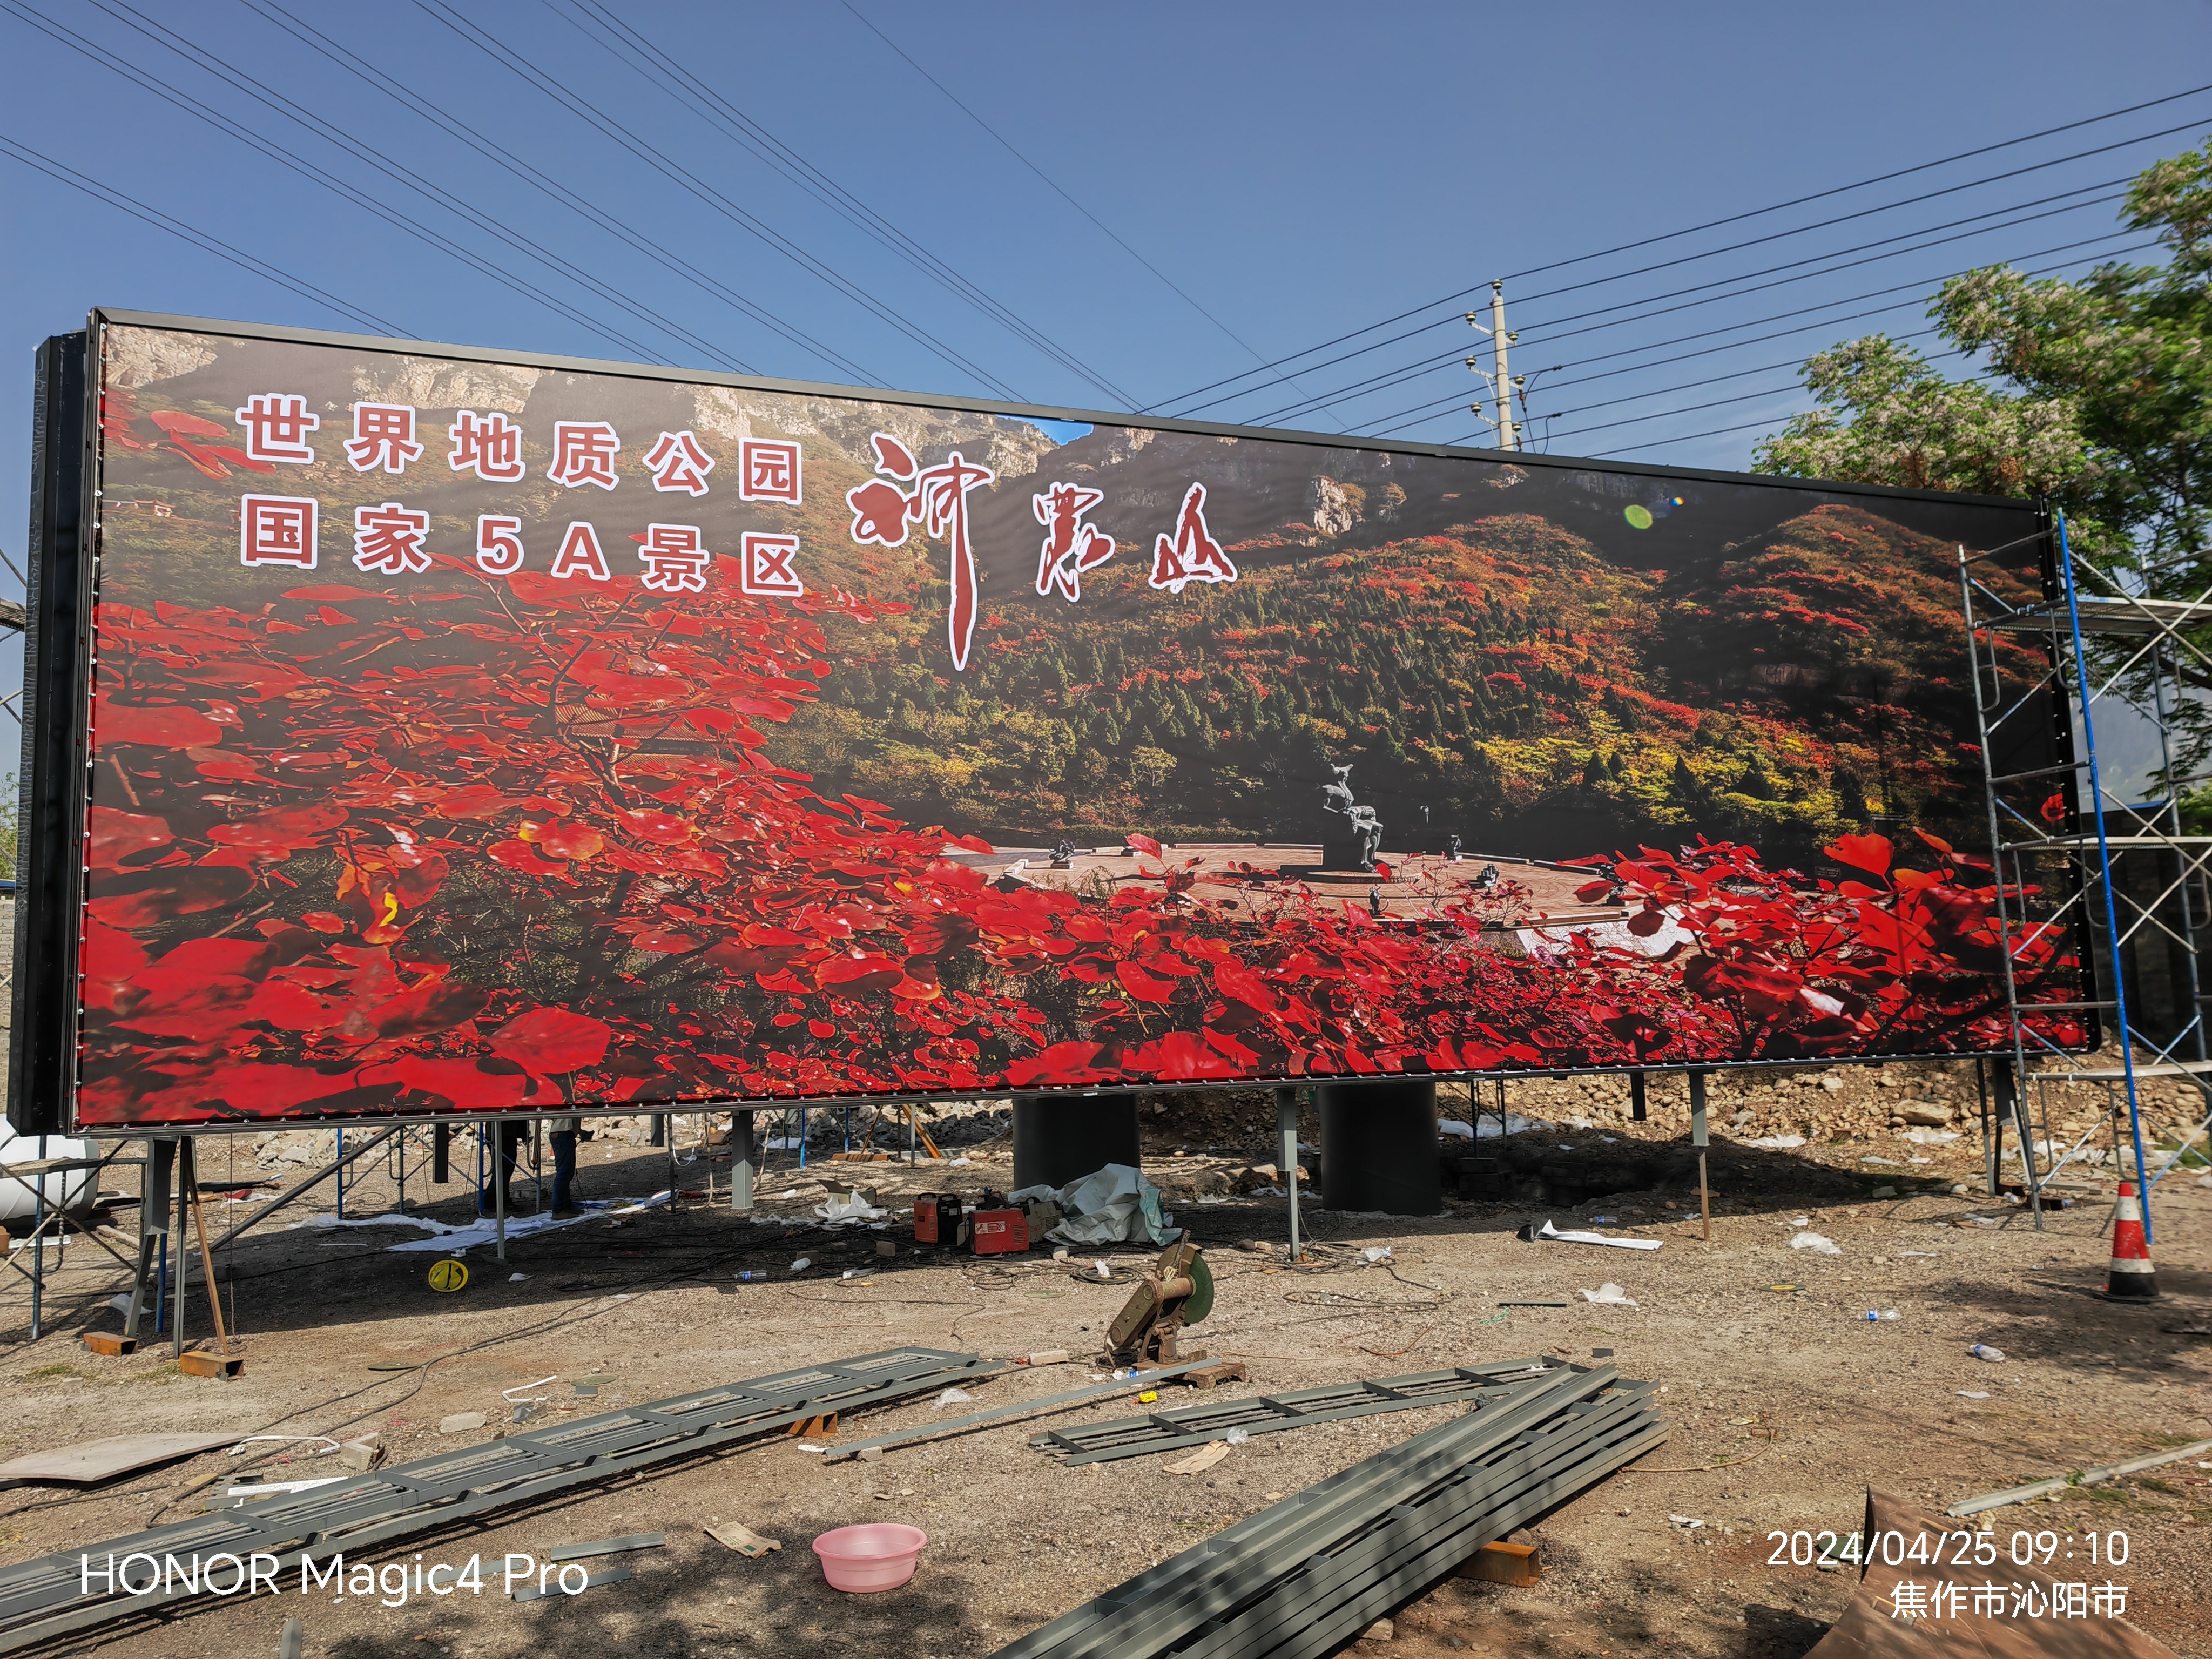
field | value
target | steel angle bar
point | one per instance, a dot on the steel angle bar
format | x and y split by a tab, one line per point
1167	1602
1015	1408
1417	1541
1272	1413
47	1597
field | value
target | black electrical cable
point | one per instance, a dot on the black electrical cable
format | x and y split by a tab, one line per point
436	194
629	43
398	221
199	238
1971	219
1918	290
1428	364
1055	185
1548	340
389	84
1737	218
500	52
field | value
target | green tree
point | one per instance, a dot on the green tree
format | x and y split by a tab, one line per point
2101	400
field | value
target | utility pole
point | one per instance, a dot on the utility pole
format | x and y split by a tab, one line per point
1502	384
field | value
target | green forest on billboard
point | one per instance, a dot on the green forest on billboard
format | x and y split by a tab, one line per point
436	824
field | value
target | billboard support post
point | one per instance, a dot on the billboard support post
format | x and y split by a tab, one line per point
1637	1103
741	1162
1698	1138
1378	1147
1287	1155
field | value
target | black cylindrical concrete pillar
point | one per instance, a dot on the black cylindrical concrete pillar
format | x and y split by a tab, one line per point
1378	1147
1062	1137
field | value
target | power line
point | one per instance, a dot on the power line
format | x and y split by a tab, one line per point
1053	186
1973	219
1429	365
199	238
1439	406
1738	217
392	87
391	215
497	50
406	177
627	41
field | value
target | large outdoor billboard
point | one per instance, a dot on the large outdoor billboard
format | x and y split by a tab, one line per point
450	732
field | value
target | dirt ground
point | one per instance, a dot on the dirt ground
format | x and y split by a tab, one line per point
1771	1367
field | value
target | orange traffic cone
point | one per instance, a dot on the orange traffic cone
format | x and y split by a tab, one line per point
2132	1278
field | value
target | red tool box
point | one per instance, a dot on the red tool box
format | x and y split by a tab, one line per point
999	1232
937	1218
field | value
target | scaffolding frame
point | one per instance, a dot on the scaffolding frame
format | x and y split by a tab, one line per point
2091	851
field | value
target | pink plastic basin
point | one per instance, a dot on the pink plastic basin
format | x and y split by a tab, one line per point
879	1557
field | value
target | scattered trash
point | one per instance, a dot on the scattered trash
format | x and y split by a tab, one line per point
1931	1137
1982	1351
1375	1253
1535	1305
1870	1158
858	1273
1238	1437
1609	1293
1604	1220
954	1397
508	1394
1816	1242
462	1422
1884	1191
743	1539
1687	1524
1488	1128
1976	1221
1045	1356
1801	1221
1973	1394
2187	1330
1199	1460
864	1560
516	1278
1452	1126
1549	1234
1786	1290
1926	1256
1876	1318
1777	1143
1150	1397
747	1276
802	1264
1105	1271
848	1210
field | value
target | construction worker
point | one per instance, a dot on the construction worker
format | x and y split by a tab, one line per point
563	1137
509	1133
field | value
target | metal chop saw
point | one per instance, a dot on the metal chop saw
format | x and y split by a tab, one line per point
1178	1290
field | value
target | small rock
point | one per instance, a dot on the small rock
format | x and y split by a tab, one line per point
1928	1113
461	1422
1381	1631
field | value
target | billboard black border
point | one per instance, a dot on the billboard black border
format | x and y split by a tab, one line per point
40	911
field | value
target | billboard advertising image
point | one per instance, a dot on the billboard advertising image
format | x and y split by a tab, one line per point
468	733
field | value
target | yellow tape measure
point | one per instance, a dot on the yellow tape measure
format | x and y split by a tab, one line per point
449	1275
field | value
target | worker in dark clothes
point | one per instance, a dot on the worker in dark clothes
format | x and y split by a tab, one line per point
563	1137
1374	903
511	1134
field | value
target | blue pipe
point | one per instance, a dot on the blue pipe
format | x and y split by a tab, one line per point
2104	866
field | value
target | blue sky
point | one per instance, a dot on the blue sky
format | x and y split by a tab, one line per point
1159	197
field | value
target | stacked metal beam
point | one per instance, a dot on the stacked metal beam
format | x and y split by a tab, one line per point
1274	1413
59	1593
1297	1580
